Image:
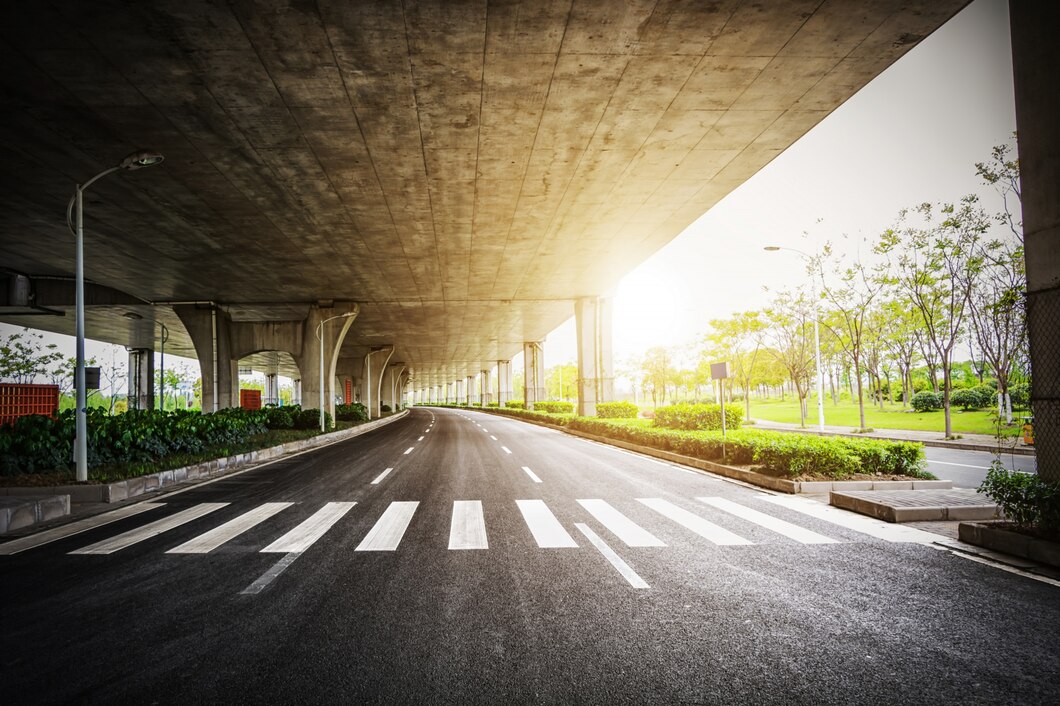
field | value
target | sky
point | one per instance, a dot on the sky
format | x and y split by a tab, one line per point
912	135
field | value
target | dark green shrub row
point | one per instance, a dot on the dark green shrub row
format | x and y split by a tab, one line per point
692	417
554	407
355	412
1025	498
616	410
515	404
36	443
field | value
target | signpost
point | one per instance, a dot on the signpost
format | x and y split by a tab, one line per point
719	372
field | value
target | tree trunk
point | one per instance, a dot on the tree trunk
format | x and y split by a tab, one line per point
946	399
861	401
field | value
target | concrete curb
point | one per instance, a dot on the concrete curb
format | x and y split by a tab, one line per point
132	487
760	479
19	512
983	534
881	510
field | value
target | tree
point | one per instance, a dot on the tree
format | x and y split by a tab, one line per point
935	264
851	289
900	340
658	372
739	338
790	330
24	357
561	382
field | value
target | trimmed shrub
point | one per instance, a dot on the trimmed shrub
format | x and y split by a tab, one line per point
515	404
616	410
554	407
927	401
697	417
1025	498
355	412
384	408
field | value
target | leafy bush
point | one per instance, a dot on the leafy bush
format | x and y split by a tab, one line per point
278	417
355	412
1025	498
1020	393
694	417
973	397
384	408
616	410
515	404
554	407
927	401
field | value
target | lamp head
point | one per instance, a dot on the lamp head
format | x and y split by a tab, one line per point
771	248
141	159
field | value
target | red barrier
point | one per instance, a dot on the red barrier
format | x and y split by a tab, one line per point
18	400
250	399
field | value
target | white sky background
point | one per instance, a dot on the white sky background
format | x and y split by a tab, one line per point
912	135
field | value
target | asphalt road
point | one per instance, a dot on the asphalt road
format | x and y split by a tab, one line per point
607	582
967	469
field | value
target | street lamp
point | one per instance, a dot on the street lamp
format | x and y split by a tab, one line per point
320	337
136	160
816	335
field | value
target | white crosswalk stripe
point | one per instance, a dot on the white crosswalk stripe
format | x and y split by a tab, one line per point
468	527
56	533
316	526
386	534
547	531
207	542
152	529
621	526
799	534
704	528
866	525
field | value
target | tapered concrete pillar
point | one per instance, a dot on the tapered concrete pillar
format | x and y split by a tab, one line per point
375	363
461	398
472	392
296	395
534	389
141	378
504	382
328	326
210	332
1035	27
272	387
484	388
390	386
596	376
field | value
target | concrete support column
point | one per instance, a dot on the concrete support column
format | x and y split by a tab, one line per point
472	393
296	395
210	332
375	364
534	389
141	378
596	376
390	386
504	382
484	388
272	388
460	396
1035	65
333	333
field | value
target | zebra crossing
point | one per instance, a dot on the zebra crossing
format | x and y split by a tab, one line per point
720	521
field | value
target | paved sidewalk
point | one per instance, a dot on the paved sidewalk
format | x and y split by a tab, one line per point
967	442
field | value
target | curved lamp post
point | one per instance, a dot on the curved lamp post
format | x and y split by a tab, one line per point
816	335
136	160
320	337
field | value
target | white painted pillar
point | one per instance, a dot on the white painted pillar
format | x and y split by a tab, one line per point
596	376
484	388
534	373
504	382
460	398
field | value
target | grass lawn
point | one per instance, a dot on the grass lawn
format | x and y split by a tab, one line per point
891	417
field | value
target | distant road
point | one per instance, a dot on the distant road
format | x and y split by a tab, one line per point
967	469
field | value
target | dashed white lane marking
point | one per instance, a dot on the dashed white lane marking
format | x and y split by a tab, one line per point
420	439
408	450
506	449
547	530
530	473
493	437
468	527
270	575
208	541
381	476
386	534
313	528
799	534
702	527
152	529
56	533
616	561
865	525
621	526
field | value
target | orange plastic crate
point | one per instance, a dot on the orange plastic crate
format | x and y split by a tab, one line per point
18	400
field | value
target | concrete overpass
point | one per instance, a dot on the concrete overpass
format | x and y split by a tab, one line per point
462	175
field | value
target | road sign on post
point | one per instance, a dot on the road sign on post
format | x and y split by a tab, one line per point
720	371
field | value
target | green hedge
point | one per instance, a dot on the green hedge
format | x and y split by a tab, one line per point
616	410
927	401
355	412
554	407
515	404
693	417
36	443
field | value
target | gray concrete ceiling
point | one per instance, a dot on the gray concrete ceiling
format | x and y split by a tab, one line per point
462	169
